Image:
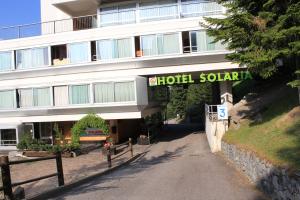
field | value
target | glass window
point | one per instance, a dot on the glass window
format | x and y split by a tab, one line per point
149	45
45	130
192	8
79	94
6	61
25	98
41	97
79	52
7	99
202	42
61	96
120	14
104	92
8	137
158	10
32	58
160	44
124	91
111	49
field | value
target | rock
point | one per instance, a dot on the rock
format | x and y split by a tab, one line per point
19	193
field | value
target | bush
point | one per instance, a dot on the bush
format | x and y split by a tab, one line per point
89	121
25	141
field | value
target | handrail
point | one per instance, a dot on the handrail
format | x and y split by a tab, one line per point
109	153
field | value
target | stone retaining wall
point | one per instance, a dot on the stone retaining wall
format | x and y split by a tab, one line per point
273	181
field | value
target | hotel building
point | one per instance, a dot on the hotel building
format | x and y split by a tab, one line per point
96	56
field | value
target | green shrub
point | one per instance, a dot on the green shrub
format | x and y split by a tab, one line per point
89	121
25	141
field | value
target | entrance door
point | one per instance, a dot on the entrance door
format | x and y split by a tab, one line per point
29	128
8	137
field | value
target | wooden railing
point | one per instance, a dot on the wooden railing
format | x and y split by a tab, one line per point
6	176
127	144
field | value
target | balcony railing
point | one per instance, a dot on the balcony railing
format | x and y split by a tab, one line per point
112	17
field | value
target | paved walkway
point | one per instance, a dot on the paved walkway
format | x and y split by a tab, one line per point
178	167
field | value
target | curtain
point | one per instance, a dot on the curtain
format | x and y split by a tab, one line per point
79	94
127	13
109	15
201	41
25	98
78	52
168	8
5	61
148	10
61	97
124	48
149	45
106	49
32	58
104	92
7	99
209	43
41	96
124	91
171	43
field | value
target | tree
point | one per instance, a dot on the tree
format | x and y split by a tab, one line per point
264	34
178	100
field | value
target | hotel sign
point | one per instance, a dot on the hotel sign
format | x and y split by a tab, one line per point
203	77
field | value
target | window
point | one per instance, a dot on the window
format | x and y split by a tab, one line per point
61	96
39	97
79	94
79	52
192	8
7	99
124	91
103	92
59	55
200	41
111	49
156	10
6	61
120	14
160	44
32	58
8	137
46	131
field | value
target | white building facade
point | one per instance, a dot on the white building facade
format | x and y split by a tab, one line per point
96	56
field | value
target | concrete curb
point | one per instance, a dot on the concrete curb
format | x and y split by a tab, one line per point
58	190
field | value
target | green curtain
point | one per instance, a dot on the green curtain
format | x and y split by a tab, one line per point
41	97
124	91
104	92
79	94
124	47
7	99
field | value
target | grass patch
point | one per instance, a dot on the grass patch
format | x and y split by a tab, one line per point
277	137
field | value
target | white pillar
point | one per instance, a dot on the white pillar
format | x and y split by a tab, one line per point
226	94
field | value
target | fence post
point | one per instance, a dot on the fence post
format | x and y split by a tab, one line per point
108	157
130	147
60	172
6	179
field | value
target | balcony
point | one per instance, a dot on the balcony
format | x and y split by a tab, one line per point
117	15
77	7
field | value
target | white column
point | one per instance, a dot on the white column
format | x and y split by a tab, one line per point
226	94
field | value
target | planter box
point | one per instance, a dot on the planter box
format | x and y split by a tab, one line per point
37	153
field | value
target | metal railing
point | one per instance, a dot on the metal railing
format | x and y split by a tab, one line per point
151	13
8	142
6	175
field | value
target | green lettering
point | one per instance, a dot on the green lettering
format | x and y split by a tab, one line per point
178	78
161	80
202	78
190	80
220	77
248	75
227	76
235	76
211	77
170	80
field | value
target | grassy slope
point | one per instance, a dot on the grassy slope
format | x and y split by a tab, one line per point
277	137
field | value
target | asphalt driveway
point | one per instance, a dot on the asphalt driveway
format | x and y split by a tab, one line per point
178	167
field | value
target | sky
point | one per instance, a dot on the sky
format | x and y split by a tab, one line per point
17	12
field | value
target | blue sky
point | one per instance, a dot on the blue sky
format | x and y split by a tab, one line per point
15	12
